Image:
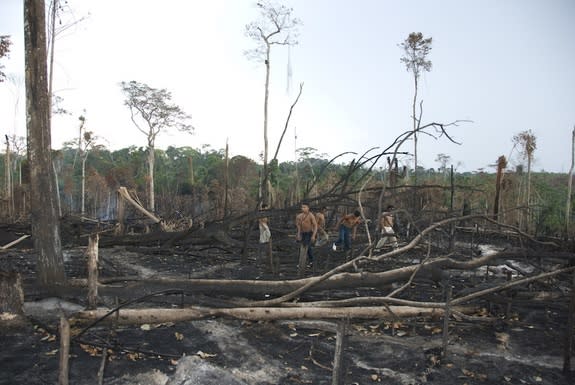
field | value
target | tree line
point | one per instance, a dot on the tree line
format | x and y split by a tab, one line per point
205	185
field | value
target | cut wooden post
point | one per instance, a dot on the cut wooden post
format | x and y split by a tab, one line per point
337	372
569	334
446	315
274	259
64	351
93	271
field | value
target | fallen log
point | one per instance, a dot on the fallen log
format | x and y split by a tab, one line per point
153	315
15	242
431	270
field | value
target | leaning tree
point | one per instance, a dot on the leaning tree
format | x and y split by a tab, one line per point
151	112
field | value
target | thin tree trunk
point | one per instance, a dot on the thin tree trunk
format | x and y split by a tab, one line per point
567	348
120	215
8	180
451	204
53	9
93	271
415	124
336	377
64	351
265	189
57	190
529	225
226	180
501	164
570	186
83	189
151	161
44	214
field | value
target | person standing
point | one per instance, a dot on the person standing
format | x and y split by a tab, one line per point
265	241
386	223
323	236
306	225
347	228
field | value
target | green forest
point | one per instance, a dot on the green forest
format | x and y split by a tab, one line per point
206	186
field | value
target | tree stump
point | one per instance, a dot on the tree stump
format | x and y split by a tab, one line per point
11	294
11	298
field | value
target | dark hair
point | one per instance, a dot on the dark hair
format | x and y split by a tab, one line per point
357	213
305	203
264	206
390	207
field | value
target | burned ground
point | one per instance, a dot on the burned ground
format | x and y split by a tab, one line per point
516	337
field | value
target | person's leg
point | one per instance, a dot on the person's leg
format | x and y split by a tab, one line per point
382	241
261	247
306	240
347	238
393	240
341	236
303	252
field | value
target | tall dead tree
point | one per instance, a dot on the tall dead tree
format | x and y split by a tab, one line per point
501	165
276	26
570	185
43	198
416	48
527	143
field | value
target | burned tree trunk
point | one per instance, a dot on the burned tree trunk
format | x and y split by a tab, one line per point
11	294
501	164
44	205
154	315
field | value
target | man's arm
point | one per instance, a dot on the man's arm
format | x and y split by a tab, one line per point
314	224
355	225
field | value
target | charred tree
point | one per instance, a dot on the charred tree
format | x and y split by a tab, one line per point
43	198
501	164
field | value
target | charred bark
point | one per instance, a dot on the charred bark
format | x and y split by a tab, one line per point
43	200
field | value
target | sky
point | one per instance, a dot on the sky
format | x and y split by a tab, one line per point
499	67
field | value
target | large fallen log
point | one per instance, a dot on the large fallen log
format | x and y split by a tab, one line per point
431	270
145	316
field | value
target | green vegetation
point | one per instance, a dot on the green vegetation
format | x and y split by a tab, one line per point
191	182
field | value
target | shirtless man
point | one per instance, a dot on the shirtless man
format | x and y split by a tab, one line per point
347	225
386	225
306	232
322	237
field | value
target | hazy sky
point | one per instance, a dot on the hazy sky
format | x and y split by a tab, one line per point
505	65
